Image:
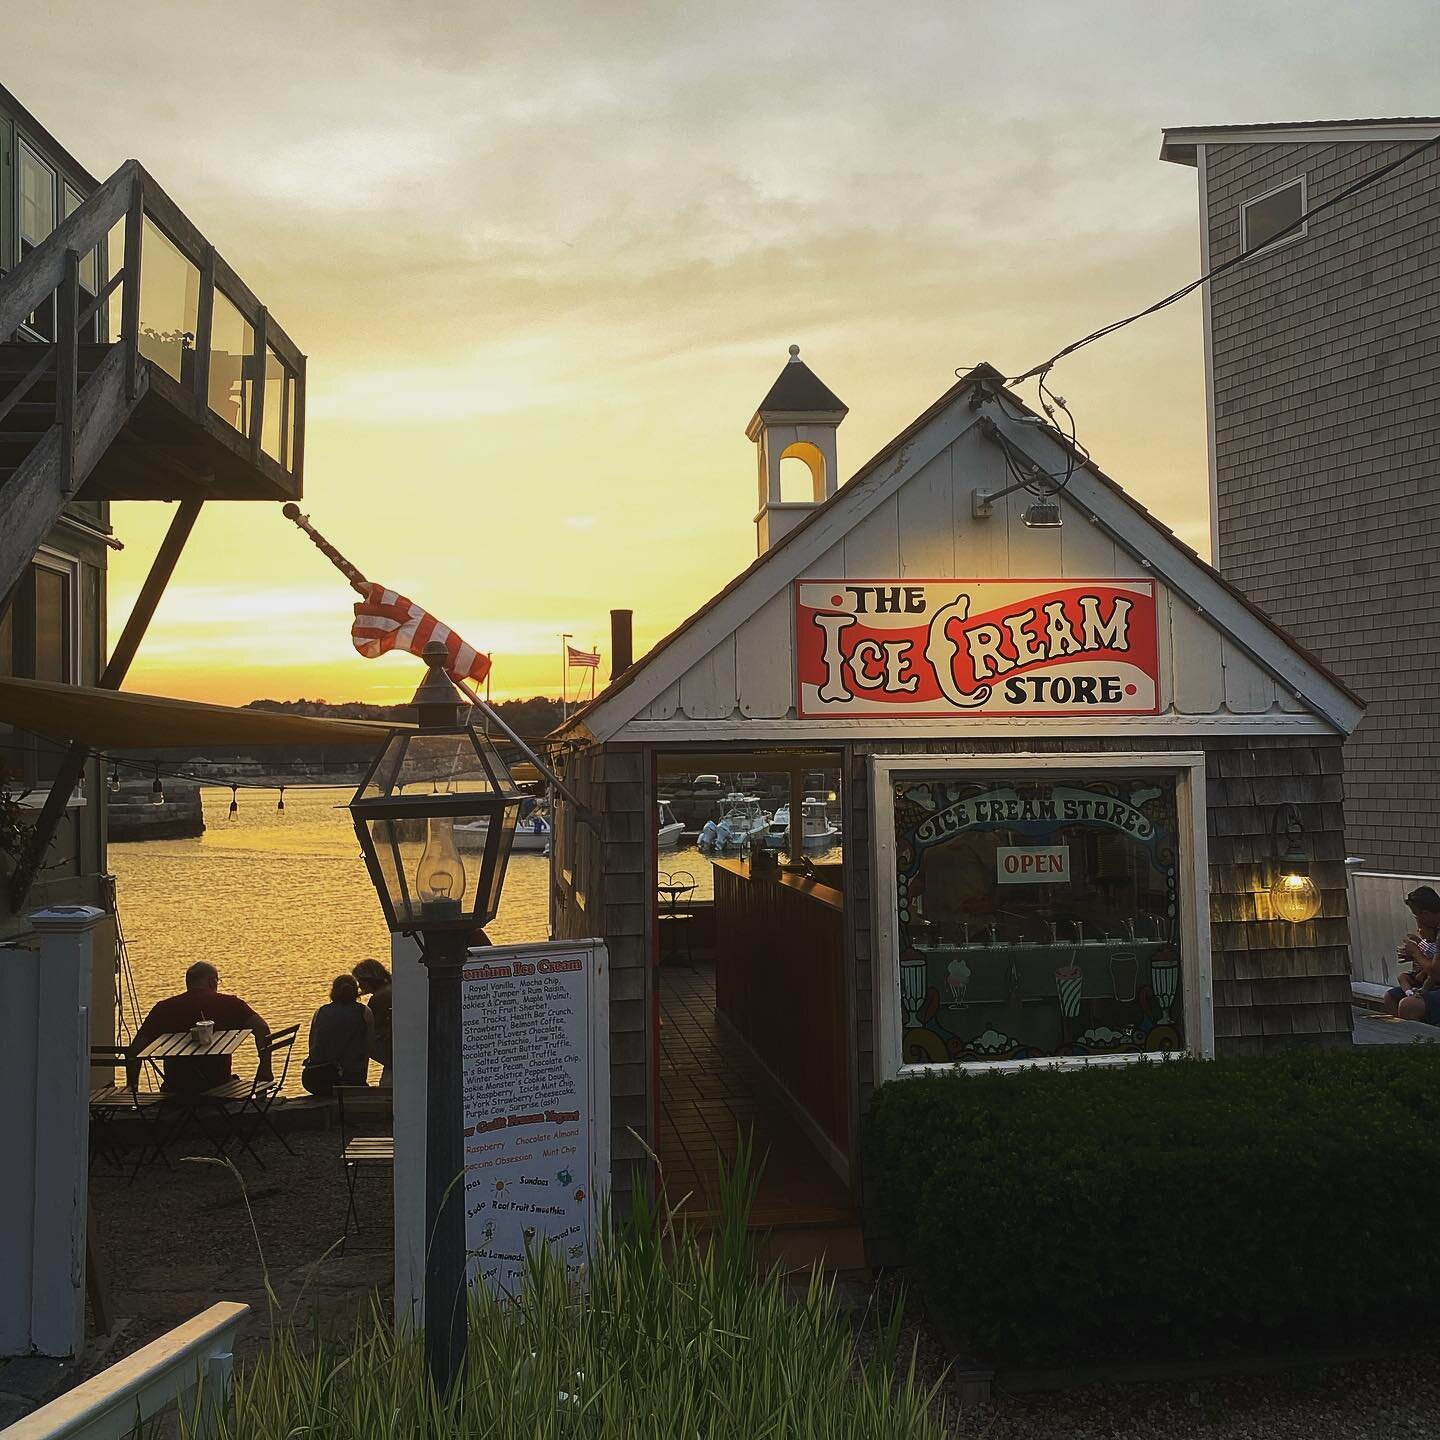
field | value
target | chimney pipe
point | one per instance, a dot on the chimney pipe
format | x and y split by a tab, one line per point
622	641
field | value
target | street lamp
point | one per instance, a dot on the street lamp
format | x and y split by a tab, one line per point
423	783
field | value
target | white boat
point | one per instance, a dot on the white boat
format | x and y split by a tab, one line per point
668	829
742	823
533	831
819	831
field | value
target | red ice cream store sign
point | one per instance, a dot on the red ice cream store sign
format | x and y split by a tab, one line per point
976	647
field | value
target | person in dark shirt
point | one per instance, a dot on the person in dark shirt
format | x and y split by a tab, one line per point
374	980
340	1040
201	1000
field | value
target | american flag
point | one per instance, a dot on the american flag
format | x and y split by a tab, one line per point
387	621
582	659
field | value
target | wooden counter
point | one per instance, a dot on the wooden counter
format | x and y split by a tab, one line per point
780	983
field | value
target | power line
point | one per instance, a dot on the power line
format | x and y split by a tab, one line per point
1042	370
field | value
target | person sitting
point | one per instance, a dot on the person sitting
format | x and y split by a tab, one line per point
374	981
340	1040
201	1000
1417	996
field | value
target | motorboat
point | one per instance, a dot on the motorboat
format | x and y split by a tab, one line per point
819	831
742	823
668	829
533	830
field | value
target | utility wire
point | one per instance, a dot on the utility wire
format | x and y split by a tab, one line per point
1364	182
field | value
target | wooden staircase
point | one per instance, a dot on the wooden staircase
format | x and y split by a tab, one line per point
133	418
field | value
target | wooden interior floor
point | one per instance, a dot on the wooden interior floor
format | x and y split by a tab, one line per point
711	1093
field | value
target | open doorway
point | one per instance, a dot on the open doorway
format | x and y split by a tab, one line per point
751	1022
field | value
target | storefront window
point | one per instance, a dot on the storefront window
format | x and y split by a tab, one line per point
1037	917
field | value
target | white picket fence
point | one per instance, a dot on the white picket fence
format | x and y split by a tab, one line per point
1378	920
199	1353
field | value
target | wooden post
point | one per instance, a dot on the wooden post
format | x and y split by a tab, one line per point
797	812
130	302
204	328
67	367
257	410
72	766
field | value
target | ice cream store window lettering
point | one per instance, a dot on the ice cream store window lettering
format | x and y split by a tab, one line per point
1037	917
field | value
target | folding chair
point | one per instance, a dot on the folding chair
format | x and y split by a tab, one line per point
244	1106
363	1152
109	1103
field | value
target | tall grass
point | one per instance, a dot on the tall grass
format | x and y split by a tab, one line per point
679	1336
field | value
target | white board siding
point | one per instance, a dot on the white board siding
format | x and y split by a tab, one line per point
664	705
1248	689
1198	676
707	690
928	521
873	546
766	687
1086	549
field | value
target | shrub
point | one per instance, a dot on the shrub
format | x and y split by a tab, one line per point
678	1335
1169	1210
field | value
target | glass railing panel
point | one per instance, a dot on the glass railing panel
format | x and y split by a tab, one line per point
276	434
232	346
112	312
169	306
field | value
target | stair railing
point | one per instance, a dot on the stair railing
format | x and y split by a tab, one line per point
52	268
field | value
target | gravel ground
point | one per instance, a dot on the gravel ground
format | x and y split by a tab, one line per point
177	1241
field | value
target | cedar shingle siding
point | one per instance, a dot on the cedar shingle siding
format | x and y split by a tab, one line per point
1326	357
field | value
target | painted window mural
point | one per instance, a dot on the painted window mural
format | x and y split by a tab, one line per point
1037	917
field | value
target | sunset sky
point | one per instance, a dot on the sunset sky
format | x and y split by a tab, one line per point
545	260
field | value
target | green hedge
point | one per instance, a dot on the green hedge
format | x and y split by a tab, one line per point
1165	1211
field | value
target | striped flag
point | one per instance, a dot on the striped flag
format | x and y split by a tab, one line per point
582	659
387	621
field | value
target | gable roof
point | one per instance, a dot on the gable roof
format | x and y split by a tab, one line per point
984	385
1178	142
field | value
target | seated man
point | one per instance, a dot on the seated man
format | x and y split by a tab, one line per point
1417	996
201	1000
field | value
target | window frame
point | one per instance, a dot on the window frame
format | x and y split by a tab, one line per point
1186	768
1284	239
24	147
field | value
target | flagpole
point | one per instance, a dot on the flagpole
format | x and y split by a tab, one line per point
565	640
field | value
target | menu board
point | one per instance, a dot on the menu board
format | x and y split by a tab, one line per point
537	1115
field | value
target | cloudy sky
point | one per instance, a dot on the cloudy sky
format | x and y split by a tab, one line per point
546	259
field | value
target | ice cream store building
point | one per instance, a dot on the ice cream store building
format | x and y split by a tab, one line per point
1081	803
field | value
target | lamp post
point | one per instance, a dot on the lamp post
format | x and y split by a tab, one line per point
420	785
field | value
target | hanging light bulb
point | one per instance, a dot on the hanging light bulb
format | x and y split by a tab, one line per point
440	875
234	800
114	779
280	804
157	790
1293	894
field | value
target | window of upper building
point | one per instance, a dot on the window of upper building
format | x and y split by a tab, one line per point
38	203
39	640
1268	217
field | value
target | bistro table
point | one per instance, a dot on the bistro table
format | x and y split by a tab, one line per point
182	1045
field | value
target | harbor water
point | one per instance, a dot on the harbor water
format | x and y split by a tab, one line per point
280	902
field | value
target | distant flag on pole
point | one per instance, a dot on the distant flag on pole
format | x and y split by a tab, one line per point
386	621
581	659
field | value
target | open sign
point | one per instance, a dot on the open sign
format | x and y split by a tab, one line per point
1032	864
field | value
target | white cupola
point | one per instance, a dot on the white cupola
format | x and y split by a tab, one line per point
797	420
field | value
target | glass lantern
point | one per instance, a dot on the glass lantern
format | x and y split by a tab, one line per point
435	816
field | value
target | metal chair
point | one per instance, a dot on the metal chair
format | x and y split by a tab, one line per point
244	1105
363	1152
111	1103
673	887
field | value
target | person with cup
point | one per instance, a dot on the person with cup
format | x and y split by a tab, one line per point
1417	995
200	1008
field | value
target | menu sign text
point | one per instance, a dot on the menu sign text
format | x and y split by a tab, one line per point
976	647
536	1103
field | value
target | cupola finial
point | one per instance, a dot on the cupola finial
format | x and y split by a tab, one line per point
794	354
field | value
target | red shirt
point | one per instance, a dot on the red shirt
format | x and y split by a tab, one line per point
180	1012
